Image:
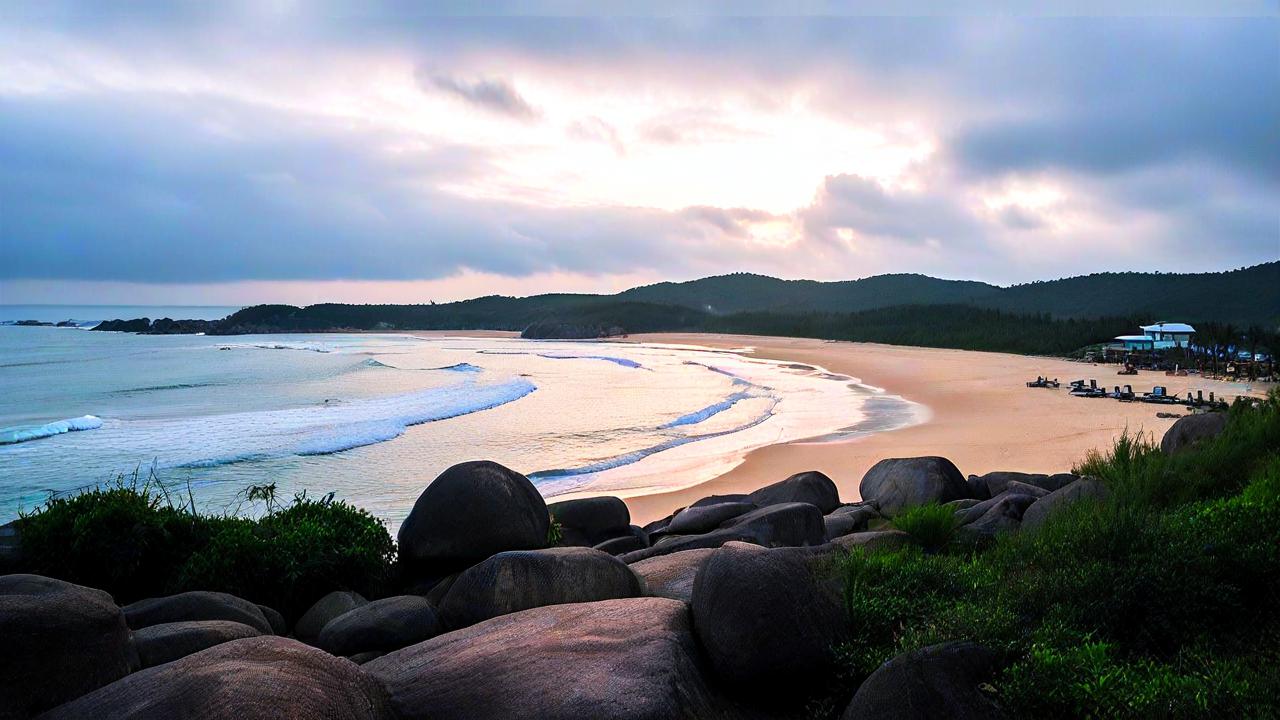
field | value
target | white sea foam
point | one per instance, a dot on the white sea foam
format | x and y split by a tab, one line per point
707	412
10	436
336	426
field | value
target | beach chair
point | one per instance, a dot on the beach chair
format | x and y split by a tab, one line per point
1160	396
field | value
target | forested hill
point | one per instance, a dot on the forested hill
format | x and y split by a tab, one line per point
1246	296
744	292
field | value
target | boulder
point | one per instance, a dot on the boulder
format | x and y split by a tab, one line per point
1057	481
622	545
895	484
786	525
381	626
962	504
842	522
807	487
166	642
1005	515
766	620
1021	488
595	519
694	520
275	619
261	678
1191	429
521	579
978	488
998	482
1090	489
196	605
610	660
59	642
471	511
940	681
671	576
719	499
874	540
314	620
658	525
974	512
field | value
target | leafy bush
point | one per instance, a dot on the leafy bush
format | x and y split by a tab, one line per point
133	542
1159	603
931	526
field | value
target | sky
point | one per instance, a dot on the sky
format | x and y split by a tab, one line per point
234	153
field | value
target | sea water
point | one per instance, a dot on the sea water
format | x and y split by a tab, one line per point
373	418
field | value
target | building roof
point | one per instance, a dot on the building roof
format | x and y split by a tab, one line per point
1169	327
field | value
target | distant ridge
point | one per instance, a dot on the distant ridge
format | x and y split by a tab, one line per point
1244	296
1051	317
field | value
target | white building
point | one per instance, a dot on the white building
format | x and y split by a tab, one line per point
1160	335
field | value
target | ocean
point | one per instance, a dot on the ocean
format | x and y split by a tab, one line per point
373	418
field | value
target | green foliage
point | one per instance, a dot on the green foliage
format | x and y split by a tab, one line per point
1159	603
1139	474
131	541
931	526
555	532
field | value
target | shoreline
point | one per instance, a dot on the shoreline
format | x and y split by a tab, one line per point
981	414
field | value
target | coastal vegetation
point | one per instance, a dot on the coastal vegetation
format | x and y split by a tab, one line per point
1142	584
135	539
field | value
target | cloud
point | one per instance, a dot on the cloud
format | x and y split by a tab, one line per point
177	147
489	94
594	129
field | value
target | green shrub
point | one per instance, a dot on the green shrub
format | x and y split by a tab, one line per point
931	526
131	541
1159	603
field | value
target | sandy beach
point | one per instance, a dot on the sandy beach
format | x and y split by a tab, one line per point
983	417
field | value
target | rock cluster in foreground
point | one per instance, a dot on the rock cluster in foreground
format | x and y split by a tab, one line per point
719	610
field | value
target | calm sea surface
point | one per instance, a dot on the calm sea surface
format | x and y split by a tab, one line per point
374	418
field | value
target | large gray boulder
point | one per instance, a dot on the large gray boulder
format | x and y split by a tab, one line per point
964	516
872	541
636	539
59	641
940	681
1084	489
671	576
590	521
381	626
785	525
326	609
694	520
166	642
1192	429
807	487
611	660
196	605
522	579
994	483
274	619
895	484
848	519
766	620
262	678
1021	488
1004	515
471	511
